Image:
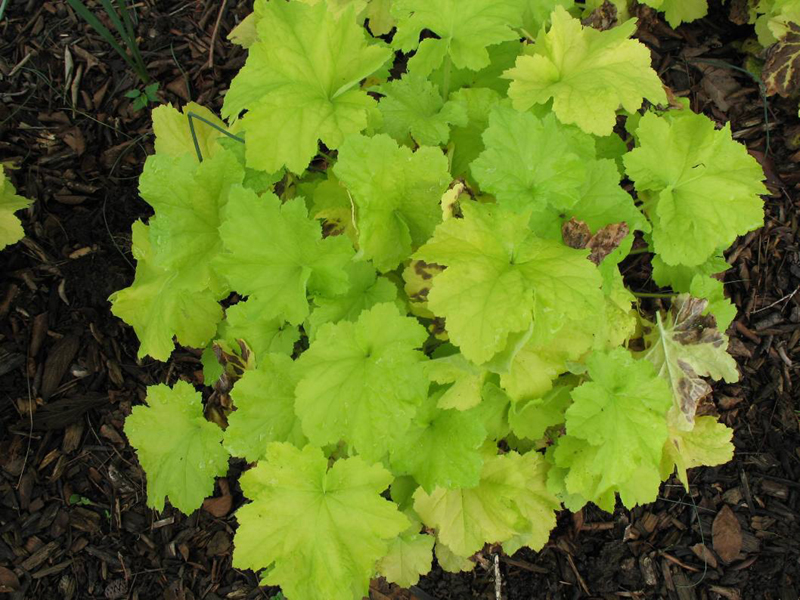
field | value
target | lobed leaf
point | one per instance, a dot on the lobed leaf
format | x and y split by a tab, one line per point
587	73
178	449
319	531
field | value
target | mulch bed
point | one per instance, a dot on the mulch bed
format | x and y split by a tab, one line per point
73	520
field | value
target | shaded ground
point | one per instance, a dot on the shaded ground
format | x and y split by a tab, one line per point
73	523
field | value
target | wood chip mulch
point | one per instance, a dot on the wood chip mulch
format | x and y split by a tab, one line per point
73	520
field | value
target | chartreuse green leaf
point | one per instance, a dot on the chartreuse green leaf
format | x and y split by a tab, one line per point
500	277
493	409
616	429
410	555
467	140
536	365
684	347
532	163
379	15
531	418
276	255
679	277
331	203
467	381
413	111
465	29
10	226
300	83
536	13
501	58
713	291
245	34
337	7
700	188
511	502
680	11
708	444
451	562
174	136
362	382
178	449
248	321
587	73
264	400
536	504
441	448
162	304
189	198
602	201
396	193
319	531
366	290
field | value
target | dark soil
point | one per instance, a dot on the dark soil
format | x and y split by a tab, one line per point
73	520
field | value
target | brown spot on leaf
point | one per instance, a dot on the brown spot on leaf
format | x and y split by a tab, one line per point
606	240
576	234
603	17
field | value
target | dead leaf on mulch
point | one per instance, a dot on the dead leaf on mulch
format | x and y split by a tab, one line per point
781	74
705	555
8	581
221	505
726	534
719	85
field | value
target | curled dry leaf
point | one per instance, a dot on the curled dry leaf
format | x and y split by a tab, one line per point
220	506
576	234
726	535
684	346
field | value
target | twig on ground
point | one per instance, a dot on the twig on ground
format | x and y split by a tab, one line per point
210	63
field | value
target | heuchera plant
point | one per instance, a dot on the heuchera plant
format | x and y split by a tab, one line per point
408	286
10	226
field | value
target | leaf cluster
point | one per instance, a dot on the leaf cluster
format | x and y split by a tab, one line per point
407	290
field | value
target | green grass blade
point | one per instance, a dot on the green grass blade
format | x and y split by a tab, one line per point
125	12
80	8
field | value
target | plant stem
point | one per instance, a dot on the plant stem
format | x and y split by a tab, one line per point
636	251
653	295
3	9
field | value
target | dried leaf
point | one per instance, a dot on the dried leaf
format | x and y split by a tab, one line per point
720	85
606	240
685	346
9	582
705	555
221	505
781	73
602	18
726	534
576	234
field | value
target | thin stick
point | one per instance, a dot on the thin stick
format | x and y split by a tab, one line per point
787	297
192	116
210	63
498	581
